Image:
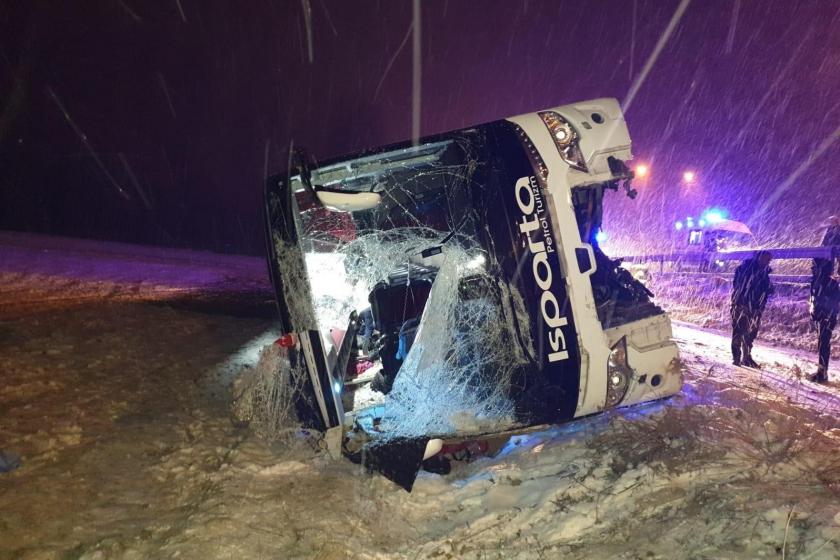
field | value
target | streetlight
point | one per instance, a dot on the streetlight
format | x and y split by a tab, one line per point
642	171
689	176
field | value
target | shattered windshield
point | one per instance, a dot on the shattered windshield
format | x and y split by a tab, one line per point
420	245
423	205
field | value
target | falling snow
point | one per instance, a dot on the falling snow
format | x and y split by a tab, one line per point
137	381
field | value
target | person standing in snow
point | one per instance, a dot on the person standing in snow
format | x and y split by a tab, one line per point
750	292
824	298
824	303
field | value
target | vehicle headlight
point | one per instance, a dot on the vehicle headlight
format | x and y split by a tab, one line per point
619	374
565	138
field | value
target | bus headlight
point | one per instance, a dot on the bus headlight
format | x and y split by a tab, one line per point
565	138
619	374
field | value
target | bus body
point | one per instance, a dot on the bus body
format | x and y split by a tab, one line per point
455	288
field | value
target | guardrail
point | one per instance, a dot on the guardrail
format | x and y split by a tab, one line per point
775	278
790	253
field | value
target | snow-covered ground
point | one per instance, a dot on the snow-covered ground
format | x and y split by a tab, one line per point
115	361
703	300
39	272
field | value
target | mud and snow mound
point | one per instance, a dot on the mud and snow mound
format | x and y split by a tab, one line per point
264	395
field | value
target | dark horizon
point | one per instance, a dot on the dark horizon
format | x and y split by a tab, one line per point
185	106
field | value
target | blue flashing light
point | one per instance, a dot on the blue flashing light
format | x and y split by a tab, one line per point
337	386
678	226
714	215
601	236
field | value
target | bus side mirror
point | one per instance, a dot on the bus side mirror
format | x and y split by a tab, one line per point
348	201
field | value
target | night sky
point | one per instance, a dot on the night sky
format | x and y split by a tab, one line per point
156	122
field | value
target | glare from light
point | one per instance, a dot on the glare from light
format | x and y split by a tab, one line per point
678	226
702	223
642	171
336	387
601	236
689	176
714	215
476	262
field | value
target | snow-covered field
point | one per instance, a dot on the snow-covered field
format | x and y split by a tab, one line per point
115	361
703	300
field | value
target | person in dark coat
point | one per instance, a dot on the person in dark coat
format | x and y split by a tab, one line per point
824	304
832	231
832	235
750	292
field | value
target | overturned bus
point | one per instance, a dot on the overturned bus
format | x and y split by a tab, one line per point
453	289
